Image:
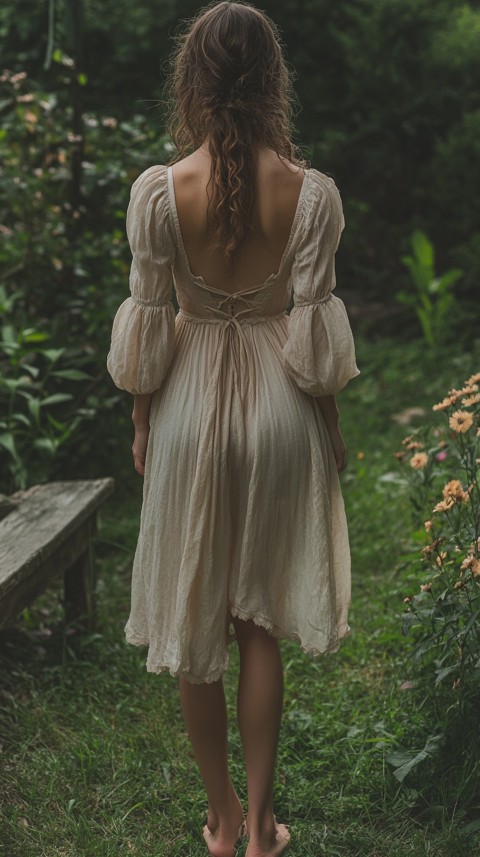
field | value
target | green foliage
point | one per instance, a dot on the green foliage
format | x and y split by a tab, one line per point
35	384
391	110
433	300
64	271
444	616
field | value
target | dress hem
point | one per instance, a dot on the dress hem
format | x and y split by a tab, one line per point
262	621
282	634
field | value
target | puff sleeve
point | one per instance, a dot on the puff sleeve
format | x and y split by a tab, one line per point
319	353
143	332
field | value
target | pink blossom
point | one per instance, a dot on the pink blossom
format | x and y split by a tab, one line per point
441	456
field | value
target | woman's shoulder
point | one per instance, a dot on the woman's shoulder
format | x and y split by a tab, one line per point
322	191
149	176
321	209
321	181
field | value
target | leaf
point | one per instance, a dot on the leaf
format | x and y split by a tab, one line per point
72	374
405	762
34	408
8	334
10	383
443	673
56	398
57	424
441	284
36	336
423	249
354	731
8	443
46	444
53	353
472	621
34	370
21	418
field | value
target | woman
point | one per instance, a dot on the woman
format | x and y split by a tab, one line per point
236	423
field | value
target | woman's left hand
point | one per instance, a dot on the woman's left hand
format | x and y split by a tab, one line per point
139	447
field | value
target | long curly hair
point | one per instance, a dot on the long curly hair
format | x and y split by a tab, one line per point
229	81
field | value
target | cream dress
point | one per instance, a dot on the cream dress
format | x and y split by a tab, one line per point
242	511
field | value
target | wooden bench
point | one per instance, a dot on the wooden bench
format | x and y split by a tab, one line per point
46	531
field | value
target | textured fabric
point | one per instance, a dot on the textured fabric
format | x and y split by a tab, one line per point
143	335
242	511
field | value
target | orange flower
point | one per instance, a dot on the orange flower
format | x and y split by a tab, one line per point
454	394
419	460
426	587
428	526
454	489
444	505
461	421
445	403
473	378
415	444
472	563
471	400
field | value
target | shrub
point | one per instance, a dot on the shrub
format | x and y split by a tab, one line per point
444	615
433	298
65	271
36	379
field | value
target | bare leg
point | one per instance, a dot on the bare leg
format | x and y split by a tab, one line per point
259	707
205	714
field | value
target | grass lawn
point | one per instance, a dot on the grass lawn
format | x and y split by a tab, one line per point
95	760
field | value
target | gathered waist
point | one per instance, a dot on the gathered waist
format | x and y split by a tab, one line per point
183	315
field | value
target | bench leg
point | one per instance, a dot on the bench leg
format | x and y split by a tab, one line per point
79	587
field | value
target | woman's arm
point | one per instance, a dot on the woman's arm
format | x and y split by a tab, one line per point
140	417
328	406
141	409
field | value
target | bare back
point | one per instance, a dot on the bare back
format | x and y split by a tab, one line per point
278	189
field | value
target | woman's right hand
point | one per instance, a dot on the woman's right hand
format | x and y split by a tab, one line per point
339	449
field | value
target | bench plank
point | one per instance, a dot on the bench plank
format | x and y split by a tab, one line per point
46	535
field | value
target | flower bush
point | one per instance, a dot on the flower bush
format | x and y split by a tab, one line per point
442	467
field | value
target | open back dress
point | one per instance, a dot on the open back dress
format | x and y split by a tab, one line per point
242	511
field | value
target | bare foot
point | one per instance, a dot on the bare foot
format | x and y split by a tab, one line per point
221	836
271	847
